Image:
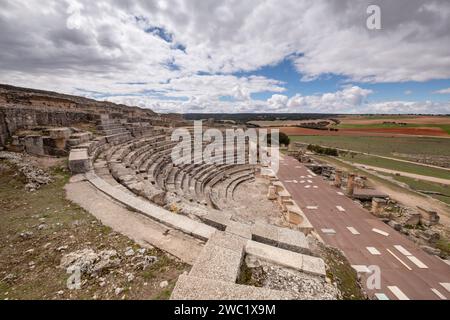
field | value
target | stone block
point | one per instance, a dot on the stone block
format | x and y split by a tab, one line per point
294	215
229	241
59	133
259	253
195	288
265	233
218	263
271	194
378	206
313	265
428	216
413	219
34	145
53	143
79	161
217	220
239	229
293	241
278	186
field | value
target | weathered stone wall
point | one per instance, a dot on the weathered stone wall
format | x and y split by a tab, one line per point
15	118
22	108
3	129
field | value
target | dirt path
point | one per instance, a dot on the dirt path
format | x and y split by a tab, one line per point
142	230
405	196
388	158
405	174
402	160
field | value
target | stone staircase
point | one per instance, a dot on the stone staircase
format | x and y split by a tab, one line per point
215	272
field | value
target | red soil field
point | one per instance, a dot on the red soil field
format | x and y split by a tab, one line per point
433	132
406	119
437	132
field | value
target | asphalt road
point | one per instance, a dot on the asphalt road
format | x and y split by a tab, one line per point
407	272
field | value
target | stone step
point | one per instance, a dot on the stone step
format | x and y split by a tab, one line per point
280	237
261	252
118	138
195	288
218	262
179	222
283	238
79	161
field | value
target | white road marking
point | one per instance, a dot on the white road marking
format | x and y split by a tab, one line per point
295	181
340	208
302	177
310	181
445	261
381	296
440	295
402	250
417	262
309	176
329	231
312	173
380	232
361	268
373	251
303	181
398	293
312	207
353	230
298	167
316	187
307	187
395	256
446	285
340	193
288	181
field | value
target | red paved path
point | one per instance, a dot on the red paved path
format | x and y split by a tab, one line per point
415	284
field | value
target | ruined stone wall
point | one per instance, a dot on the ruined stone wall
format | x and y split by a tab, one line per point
3	129
13	118
23	108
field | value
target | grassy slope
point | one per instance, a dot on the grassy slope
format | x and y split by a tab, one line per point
412	183
67	225
397	165
419	185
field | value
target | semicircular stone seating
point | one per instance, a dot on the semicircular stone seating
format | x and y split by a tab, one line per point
129	169
144	166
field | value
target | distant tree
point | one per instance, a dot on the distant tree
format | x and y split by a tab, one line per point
283	139
321	150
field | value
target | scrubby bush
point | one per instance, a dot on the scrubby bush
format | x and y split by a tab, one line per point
321	150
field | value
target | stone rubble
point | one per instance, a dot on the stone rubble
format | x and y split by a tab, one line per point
94	264
35	176
302	286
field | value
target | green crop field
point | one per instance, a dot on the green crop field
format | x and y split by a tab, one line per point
384	146
397	165
444	127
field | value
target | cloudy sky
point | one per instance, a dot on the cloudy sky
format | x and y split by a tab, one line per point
233	55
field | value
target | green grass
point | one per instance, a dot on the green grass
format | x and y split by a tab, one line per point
384	146
397	165
383	117
444	246
420	185
392	185
444	127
